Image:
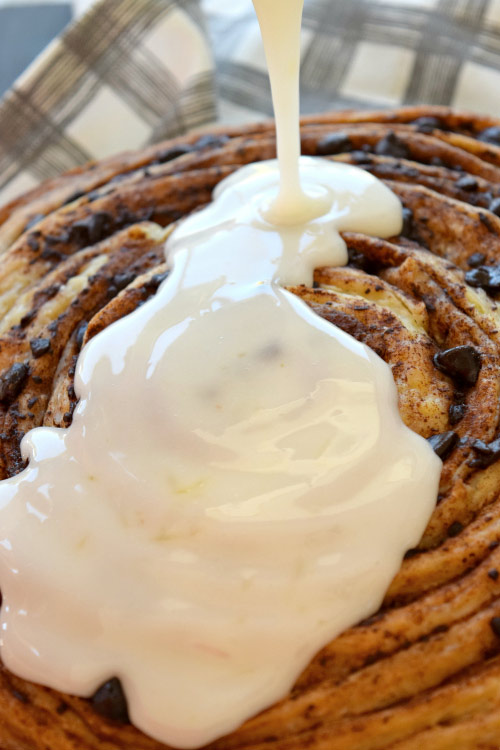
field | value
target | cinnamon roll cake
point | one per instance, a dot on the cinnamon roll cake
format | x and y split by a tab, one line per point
85	249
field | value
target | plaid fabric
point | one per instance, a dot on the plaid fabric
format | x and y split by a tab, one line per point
366	53
131	72
128	73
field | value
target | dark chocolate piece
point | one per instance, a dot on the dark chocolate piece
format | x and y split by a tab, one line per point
486	277
467	183
486	453
490	135
334	143
80	333
74	197
12	381
34	220
495	625
455	529
427	124
211	141
39	347
494	206
172	153
121	280
461	363
476	259
110	701
443	443
92	229
456	412
407	230
391	145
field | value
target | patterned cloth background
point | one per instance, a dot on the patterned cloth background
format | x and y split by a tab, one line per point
126	73
367	53
129	72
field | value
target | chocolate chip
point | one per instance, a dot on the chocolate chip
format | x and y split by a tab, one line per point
456	412
26	319
33	241
334	143
211	141
391	145
466	183
443	443
55	239
455	529
407	230
427	124
493	574
39	347
122	176
48	253
461	363
495	625
494	206
154	282
34	220
110	701
74	197
358	260
21	697
121	280
12	381
92	229
476	259
411	553
80	333
484	219
429	303
486	453
51	291
171	153
361	157
37	379
486	277
490	135
32	401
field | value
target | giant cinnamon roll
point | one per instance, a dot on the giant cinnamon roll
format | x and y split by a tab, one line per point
85	249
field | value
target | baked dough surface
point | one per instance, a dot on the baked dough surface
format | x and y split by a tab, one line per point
85	249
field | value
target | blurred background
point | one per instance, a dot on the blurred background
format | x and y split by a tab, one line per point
379	52
120	74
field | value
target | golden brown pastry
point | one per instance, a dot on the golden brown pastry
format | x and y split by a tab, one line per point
85	249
